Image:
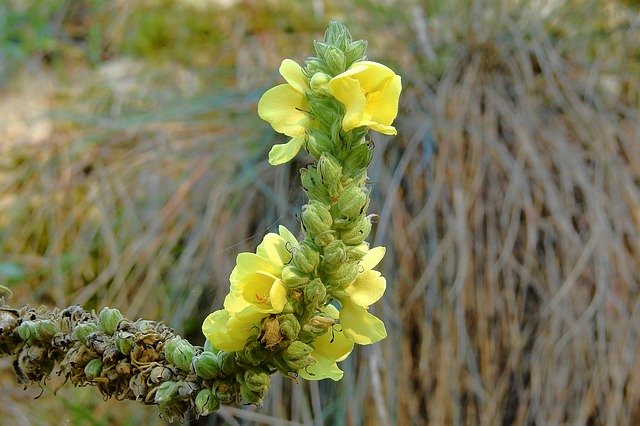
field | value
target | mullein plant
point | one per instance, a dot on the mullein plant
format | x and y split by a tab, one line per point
299	306
296	306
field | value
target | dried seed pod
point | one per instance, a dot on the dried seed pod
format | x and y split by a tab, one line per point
27	331
205	365
166	393
45	329
124	342
206	402
82	331
93	369
182	354
109	319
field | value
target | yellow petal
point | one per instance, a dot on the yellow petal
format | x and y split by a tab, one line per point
288	236
277	296
382	104
370	93
333	345
247	263
372	75
274	248
292	72
234	302
256	289
322	369
367	289
372	257
284	152
359	326
284	108
215	329
347	90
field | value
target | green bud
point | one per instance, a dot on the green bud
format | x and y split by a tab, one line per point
289	326
355	52
330	172
316	217
93	369
326	111
45	330
343	275
170	347
312	184
254	353
166	393
314	292
228	363
205	365
321	323
324	238
335	252
249	396
357	233
321	48
337	35
182	354
358	159
206	402
351	203
319	82
27	331
357	252
318	143
334	57
109	320
297	355
82	331
292	277
125	342
315	65
306	258
257	381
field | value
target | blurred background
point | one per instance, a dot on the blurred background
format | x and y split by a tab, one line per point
133	170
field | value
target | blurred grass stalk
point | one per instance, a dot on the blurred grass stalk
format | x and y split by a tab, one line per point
510	200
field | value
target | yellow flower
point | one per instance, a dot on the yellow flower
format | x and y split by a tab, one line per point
256	279
286	108
256	292
331	347
357	323
370	94
229	332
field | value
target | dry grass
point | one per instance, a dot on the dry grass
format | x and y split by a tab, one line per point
510	206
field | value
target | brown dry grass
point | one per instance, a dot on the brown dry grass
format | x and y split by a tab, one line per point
509	204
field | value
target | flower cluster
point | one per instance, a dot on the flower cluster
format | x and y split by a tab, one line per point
299	306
